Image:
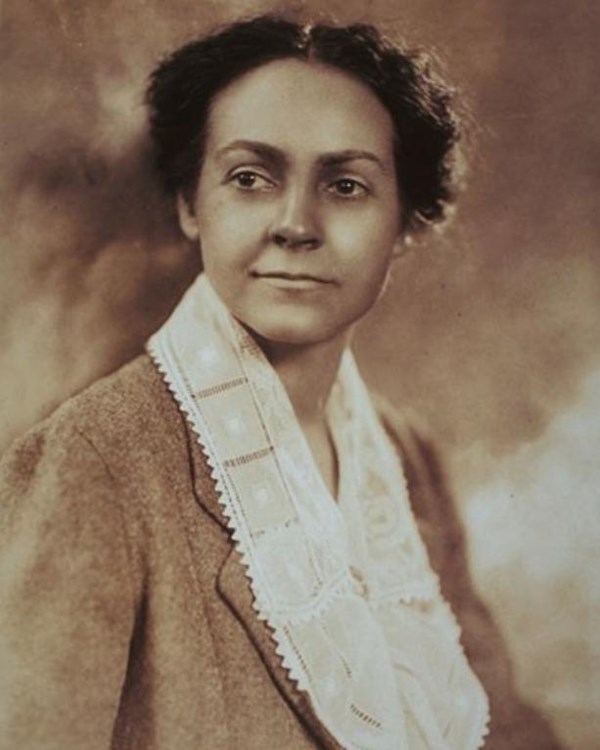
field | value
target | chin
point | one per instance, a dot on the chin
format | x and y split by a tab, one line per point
289	335
293	333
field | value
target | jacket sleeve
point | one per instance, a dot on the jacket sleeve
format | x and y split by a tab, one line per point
66	595
514	725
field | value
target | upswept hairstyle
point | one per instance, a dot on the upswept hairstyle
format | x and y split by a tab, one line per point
426	124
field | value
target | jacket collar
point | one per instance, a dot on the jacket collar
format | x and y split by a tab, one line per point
233	587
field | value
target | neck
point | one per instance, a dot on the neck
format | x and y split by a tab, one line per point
307	373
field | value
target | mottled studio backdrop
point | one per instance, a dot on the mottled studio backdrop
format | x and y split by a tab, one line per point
491	333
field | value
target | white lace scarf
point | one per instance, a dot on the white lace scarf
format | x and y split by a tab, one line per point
347	589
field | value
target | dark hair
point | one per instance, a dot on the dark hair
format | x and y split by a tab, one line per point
427	127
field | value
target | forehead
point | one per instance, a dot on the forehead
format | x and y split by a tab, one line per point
304	108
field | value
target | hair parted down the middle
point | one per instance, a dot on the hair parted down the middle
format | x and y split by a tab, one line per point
427	127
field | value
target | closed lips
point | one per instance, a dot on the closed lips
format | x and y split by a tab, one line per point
291	276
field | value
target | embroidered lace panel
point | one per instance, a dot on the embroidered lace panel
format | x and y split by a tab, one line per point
355	610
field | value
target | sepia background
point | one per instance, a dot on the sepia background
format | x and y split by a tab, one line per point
490	332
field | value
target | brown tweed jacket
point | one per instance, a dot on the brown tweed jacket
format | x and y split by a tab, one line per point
126	620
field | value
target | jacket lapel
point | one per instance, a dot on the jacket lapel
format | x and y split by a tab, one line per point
234	588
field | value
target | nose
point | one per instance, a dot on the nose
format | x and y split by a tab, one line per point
296	225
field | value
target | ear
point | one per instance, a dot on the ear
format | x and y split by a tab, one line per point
187	218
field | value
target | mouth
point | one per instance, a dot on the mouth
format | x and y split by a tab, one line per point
299	280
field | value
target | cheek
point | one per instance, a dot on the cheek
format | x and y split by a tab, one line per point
229	225
365	241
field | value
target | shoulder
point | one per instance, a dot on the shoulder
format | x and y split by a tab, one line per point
432	502
61	514
73	447
79	479
71	579
423	466
90	464
407	431
128	414
129	410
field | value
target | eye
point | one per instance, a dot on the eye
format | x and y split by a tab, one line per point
347	187
248	179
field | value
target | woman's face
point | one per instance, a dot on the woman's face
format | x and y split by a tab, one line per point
297	209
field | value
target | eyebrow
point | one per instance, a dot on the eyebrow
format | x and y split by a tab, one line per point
276	155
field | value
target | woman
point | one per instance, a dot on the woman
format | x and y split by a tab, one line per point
223	545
